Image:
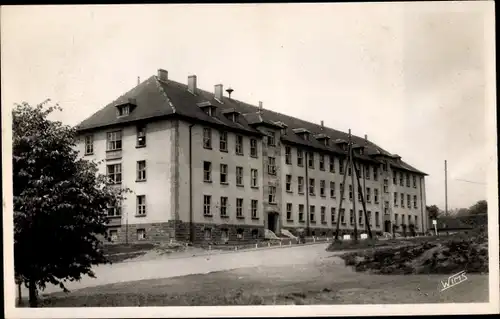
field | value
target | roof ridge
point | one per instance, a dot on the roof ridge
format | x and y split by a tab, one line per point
164	93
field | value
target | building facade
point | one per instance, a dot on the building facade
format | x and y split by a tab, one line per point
204	167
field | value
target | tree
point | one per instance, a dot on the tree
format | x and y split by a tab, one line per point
433	211
60	202
479	208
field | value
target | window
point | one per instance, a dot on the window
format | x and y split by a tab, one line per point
141	205
301	185
141	234
414	201
342	216
239	145
360	217
288	155
342	191
141	136
223	174
377	221
301	213
401	179
223	141
396	219
300	158
349	170
332	213
288	183
115	210
255	233
123	110
414	181
322	188
351	217
271	140
368	195
323	214
207	203
367	171
394	177
408	200
386	186
289	211
141	170
224	235
395	199
114	141
254	176
239	233
409	219
114	173
322	162
407	180
375	195
350	192
113	235
312	209
332	164
89	144
207	137
311	186
272	194
271	166
254	208
310	156
332	189
223	206
402	219
386	208
239	207
207	171
253	147
384	167
402	200
416	221
360	198
341	166
369	213
239	176
375	173
208	233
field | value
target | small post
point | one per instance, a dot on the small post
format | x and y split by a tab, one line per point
268	244
235	247
314	239
256	245
280	243
290	243
209	247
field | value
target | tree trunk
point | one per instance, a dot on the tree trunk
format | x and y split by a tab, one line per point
19	295
33	294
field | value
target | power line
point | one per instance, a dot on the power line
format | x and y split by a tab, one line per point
464	180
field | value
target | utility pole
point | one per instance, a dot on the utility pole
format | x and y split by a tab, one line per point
351	166
445	187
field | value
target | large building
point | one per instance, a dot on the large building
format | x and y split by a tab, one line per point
205	167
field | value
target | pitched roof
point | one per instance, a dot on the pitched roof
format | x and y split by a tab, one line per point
155	98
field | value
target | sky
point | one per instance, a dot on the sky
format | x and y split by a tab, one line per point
412	76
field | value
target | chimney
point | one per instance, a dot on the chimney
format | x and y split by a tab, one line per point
260	107
192	84
366	137
138	80
218	92
229	91
162	75
322	125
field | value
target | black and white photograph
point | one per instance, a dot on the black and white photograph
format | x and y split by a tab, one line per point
252	159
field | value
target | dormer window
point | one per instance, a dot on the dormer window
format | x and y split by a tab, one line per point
231	114
126	108
207	107
302	132
323	139
283	127
123	110
342	144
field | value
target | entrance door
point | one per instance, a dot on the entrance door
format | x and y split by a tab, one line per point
387	226
271	222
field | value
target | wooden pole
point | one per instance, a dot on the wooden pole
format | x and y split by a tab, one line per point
367	226
445	187
353	189
342	192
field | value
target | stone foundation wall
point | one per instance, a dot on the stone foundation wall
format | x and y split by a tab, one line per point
155	232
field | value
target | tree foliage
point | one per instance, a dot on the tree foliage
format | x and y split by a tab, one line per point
60	202
433	211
